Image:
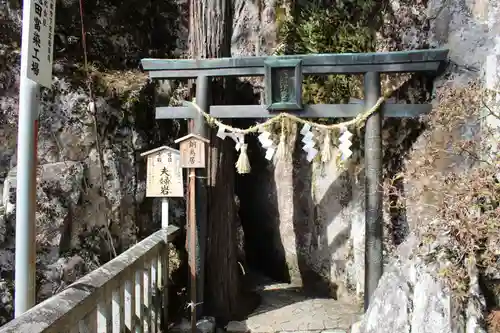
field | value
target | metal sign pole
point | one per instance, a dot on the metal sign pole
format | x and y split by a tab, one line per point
374	261
36	70
26	197
29	93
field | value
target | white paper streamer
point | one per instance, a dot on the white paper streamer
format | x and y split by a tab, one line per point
308	137
264	136
306	128
346	136
221	132
308	145
270	153
265	140
345	144
311	154
308	141
238	138
233	136
268	143
346	154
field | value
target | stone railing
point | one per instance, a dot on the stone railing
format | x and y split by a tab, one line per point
127	294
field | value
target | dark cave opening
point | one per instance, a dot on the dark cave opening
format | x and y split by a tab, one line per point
258	206
258	213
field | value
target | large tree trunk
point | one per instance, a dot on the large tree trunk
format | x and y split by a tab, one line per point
210	37
210	28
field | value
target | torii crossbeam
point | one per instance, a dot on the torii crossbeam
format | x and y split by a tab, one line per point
371	65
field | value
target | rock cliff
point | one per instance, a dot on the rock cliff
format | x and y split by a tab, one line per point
91	180
433	282
90	195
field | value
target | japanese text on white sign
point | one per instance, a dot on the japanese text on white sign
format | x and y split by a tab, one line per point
41	41
164	175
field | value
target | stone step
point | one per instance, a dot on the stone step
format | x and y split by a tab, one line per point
241	327
286	308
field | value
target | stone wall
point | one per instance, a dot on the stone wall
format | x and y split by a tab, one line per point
321	210
91	179
410	287
314	214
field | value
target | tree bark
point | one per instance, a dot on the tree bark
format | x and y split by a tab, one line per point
210	28
210	37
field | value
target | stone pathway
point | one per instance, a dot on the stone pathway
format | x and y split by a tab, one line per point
285	308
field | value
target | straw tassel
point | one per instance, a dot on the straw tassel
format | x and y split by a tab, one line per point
326	152
281	150
243	164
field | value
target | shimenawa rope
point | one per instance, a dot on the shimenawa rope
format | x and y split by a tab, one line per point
243	163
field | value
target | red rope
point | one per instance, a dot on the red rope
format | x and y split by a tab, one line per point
85	59
84	40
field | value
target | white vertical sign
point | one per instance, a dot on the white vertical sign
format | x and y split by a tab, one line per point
164	173
40	41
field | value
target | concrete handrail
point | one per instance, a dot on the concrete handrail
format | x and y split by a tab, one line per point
115	294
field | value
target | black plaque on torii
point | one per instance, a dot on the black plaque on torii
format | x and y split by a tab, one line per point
283	93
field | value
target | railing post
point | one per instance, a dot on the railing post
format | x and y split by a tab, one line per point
373	189
139	299
146	287
164	278
200	127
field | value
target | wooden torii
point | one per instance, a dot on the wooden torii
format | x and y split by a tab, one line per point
371	65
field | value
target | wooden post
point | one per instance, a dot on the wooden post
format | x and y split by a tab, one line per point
193	156
164	213
164	257
192	246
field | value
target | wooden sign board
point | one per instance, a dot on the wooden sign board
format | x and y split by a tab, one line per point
192	149
164	173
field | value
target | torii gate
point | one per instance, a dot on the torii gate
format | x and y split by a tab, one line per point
371	65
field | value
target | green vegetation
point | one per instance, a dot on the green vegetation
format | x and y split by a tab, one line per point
347	27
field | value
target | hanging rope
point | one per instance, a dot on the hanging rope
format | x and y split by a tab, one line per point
358	120
93	111
281	150
84	47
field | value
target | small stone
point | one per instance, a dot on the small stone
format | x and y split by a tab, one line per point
237	327
206	325
182	327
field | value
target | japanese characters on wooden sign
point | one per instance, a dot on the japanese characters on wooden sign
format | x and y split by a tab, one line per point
164	173
192	148
41	41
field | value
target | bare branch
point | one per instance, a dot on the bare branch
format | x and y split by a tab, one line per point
490	111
